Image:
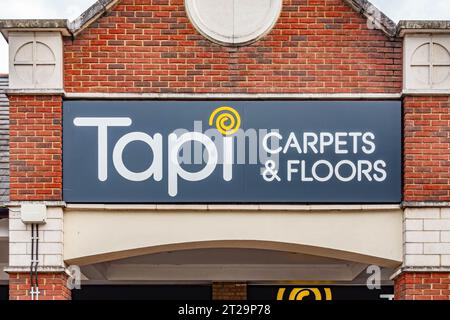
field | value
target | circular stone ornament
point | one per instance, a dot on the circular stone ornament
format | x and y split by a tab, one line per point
233	22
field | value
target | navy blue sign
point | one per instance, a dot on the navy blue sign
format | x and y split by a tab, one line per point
232	151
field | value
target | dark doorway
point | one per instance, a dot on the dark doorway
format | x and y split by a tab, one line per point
143	292
4	292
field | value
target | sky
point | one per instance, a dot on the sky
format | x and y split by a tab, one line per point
70	9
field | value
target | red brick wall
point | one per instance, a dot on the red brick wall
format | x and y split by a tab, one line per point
52	286
35	147
229	291
423	286
427	148
150	46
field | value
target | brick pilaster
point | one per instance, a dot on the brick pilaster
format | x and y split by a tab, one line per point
52	286
36	175
426	195
422	286
35	147
426	148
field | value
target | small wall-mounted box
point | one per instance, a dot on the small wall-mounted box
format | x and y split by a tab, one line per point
33	213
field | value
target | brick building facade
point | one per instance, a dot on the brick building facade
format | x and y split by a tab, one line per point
152	50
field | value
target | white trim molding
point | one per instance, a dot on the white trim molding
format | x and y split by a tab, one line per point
228	207
12	204
43	269
437	92
237	96
418	204
40	92
228	96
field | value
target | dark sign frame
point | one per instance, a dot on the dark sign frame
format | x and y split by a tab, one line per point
81	182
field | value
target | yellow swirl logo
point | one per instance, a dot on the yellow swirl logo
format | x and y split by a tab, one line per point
304	294
227	120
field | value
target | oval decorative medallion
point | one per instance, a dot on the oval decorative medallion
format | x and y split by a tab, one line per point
233	22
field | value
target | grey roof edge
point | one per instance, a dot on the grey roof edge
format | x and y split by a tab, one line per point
376	17
424	24
417	26
33	23
90	15
7	25
66	27
4	78
4	137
